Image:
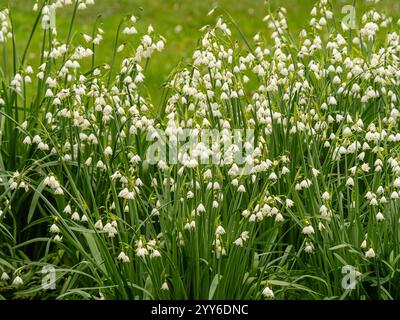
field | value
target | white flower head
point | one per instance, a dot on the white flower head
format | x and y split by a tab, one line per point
17	281
54	228
219	231
380	217
268	293
164	286
4	276
307	230
370	254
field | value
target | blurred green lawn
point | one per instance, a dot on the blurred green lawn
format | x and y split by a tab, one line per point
178	21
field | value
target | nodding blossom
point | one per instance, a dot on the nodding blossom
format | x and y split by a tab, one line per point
123	257
4	276
54	229
165	286
220	230
268	293
380	216
307	230
17	281
370	253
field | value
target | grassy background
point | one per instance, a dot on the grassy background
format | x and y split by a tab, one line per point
179	21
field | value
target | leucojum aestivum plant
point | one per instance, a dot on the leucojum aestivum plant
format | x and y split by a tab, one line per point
269	167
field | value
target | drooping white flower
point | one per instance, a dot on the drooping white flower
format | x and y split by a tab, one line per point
75	216
201	208
123	257
350	182
108	151
326	196
279	217
309	247
380	217
164	286
363	244
126	194
155	254
37	139
268	293
68	209
4	276
98	225
308	230
17	281
111	229
370	253
27	140
142	252
238	242
190	225
54	228
220	230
